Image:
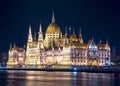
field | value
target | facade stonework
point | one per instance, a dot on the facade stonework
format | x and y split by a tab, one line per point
59	49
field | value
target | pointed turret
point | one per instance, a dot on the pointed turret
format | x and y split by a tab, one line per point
66	36
80	34
107	44
30	35
66	32
40	29
53	18
14	45
10	46
80	37
100	41
73	31
29	29
107	41
40	38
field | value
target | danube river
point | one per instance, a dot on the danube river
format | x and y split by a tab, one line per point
43	78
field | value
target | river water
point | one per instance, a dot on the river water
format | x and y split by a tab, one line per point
42	78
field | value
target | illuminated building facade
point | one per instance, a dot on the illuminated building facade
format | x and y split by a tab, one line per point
16	56
59	49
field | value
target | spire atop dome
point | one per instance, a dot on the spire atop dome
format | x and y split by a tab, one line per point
53	18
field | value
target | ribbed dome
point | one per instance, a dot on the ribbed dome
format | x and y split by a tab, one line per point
53	28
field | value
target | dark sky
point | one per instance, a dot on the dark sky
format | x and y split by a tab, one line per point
97	18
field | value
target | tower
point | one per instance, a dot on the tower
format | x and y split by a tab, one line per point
32	51
40	38
66	36
30	39
52	34
80	37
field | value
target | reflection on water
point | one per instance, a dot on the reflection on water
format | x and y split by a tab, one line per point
40	78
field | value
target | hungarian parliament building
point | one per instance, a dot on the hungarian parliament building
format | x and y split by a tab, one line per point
57	48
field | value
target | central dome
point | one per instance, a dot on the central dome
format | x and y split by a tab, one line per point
53	28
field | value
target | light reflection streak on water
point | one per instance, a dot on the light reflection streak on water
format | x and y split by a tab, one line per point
75	74
42	78
75	77
39	75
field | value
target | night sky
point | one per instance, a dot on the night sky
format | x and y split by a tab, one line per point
97	19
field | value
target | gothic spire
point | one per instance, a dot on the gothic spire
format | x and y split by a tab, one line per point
107	42
40	38
80	34
10	45
29	29
14	45
66	31
40	30
80	37
100	41
53	18
30	35
73	31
